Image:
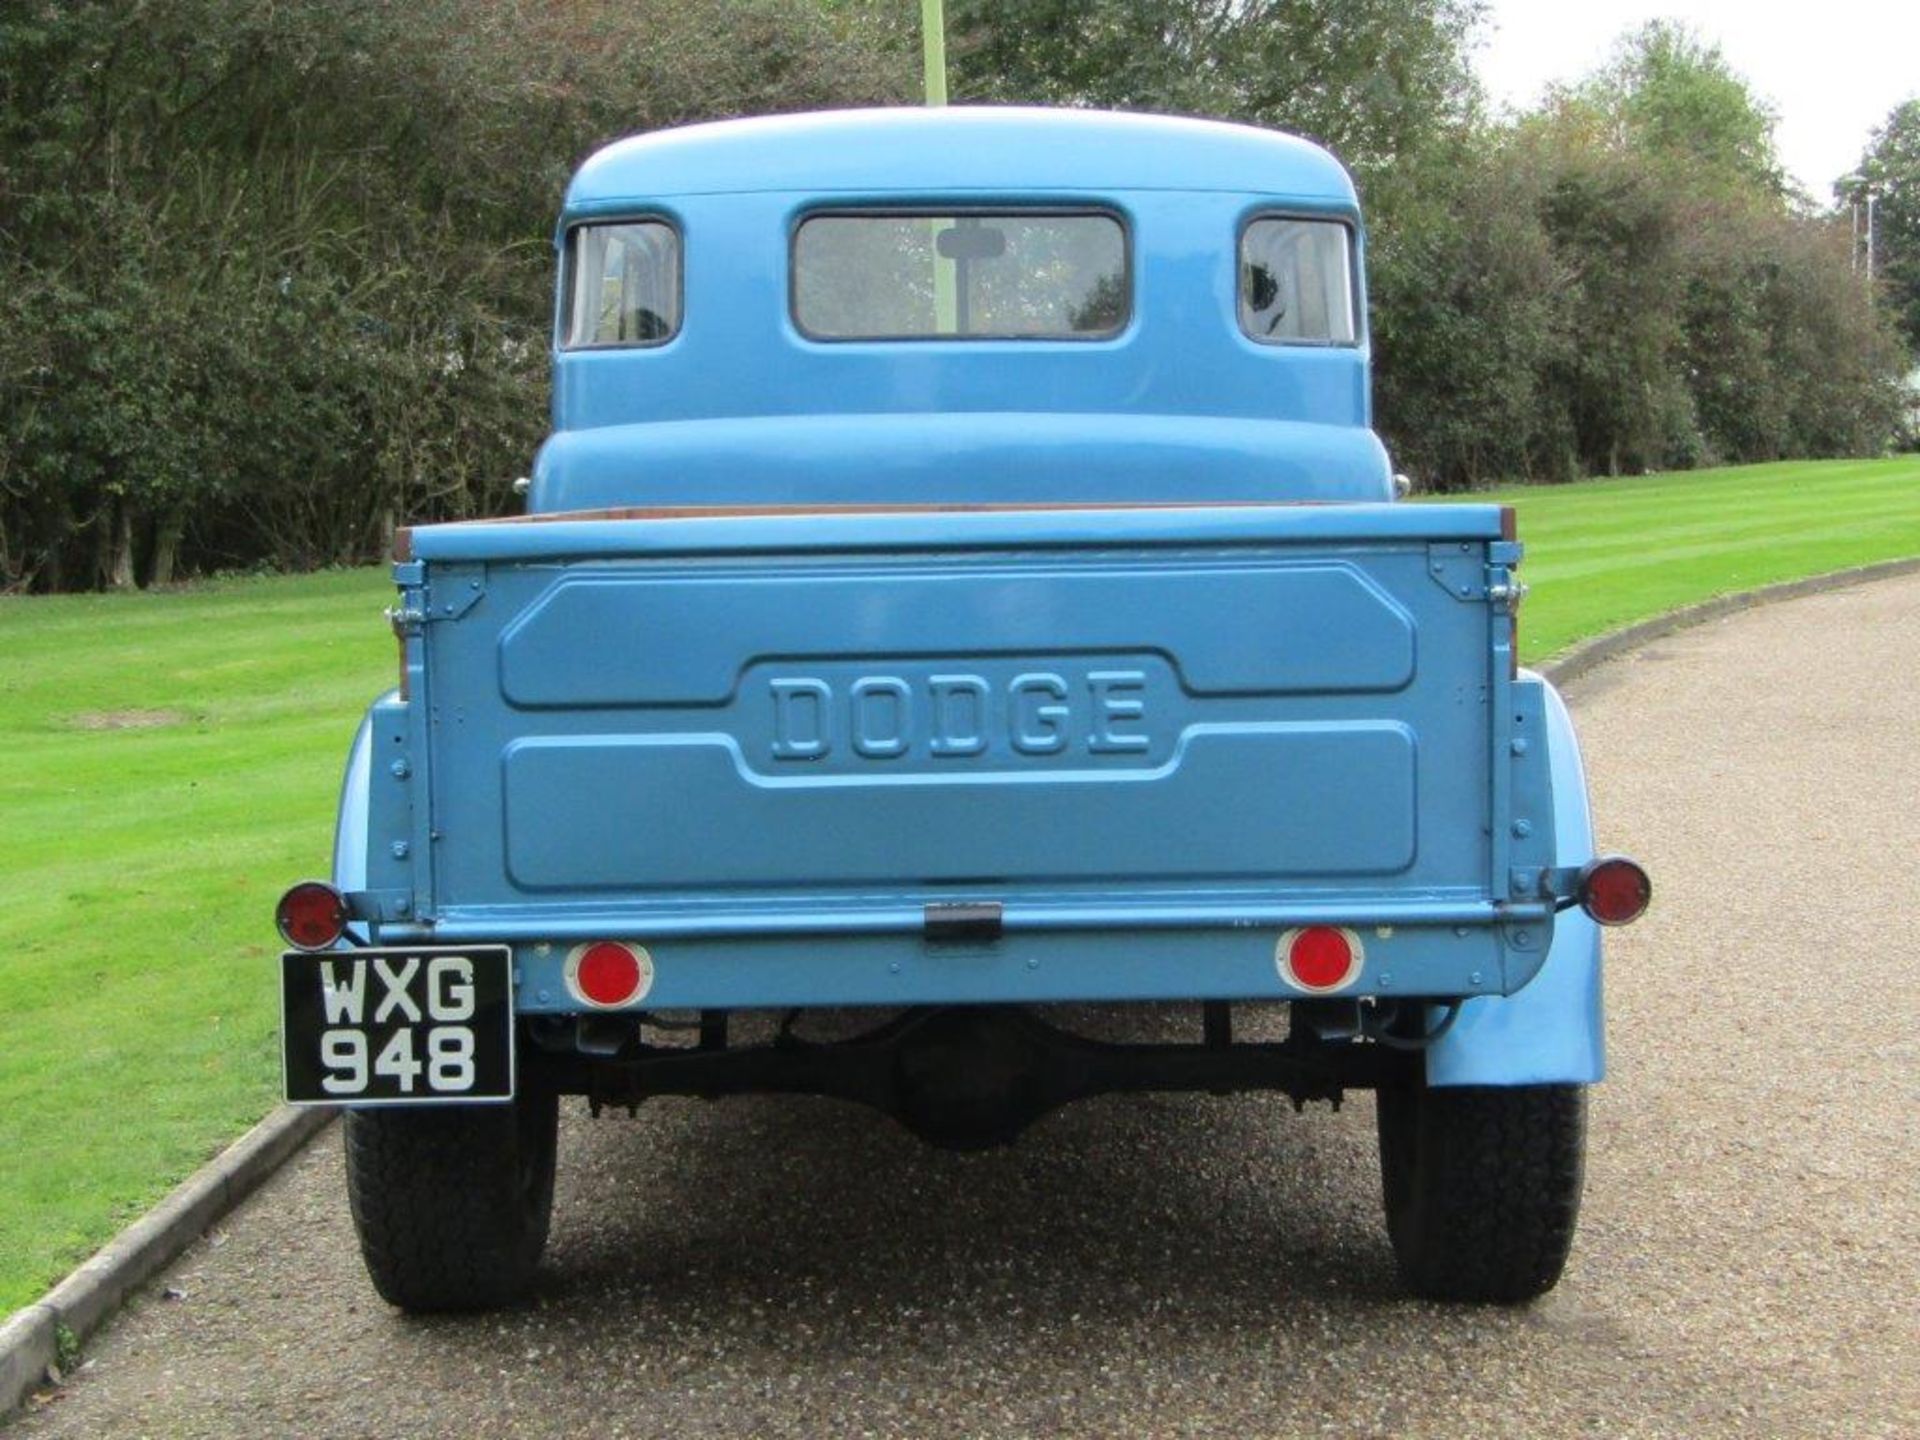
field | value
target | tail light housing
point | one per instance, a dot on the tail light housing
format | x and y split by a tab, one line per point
1614	890
1321	959
311	916
609	973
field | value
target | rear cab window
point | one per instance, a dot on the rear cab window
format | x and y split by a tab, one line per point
1296	281
921	274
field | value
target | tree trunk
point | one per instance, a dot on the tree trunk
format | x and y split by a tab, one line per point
102	527
166	544
120	566
50	544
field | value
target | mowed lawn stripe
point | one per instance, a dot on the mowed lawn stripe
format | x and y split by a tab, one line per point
139	861
1609	552
1573	544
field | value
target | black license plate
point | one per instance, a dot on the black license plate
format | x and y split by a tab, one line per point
397	1027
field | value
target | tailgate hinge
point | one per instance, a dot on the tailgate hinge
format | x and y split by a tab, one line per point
449	595
1470	573
453	592
1458	567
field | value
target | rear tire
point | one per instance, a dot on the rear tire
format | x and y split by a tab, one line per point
1482	1187
452	1202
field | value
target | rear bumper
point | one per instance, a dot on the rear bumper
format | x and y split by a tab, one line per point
1024	966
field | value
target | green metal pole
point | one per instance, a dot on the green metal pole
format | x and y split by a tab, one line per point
933	51
933	48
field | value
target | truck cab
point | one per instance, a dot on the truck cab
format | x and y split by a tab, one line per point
962	581
960	307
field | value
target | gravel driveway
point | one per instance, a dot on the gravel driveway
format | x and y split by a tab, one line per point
1748	1263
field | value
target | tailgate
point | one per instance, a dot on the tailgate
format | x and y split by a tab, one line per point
781	722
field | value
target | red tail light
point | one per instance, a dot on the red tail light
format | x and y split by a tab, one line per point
1321	958
1614	890
607	974
311	916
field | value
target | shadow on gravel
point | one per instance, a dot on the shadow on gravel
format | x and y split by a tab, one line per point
809	1222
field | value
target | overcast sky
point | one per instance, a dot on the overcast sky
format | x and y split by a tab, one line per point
1831	70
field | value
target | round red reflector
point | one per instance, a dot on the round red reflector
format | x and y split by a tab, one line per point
1321	957
311	916
607	973
1614	890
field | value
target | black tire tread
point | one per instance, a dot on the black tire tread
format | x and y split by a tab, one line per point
452	1203
1483	1187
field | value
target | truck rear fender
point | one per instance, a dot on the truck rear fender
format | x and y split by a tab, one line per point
350	824
1550	1032
369	869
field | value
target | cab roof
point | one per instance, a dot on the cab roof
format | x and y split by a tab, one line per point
939	151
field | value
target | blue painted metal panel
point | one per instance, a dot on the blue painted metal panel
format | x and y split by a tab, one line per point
350	825
1167	526
372	853
759	728
944	609
958	148
1296	795
899	915
1237	963
1550	1032
980	457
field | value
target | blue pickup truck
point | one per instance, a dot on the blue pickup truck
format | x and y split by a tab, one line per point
962	584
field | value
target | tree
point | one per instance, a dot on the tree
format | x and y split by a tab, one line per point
273	277
1676	100
1373	80
1890	170
1469	320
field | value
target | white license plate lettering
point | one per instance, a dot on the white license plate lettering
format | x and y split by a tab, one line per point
396	1062
397	999
450	1059
450	987
344	1053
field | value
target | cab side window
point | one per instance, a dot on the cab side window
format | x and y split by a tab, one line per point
624	286
1296	282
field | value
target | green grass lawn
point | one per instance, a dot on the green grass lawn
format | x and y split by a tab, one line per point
168	763
1609	552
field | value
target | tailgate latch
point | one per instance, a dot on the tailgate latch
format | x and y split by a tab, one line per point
964	922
